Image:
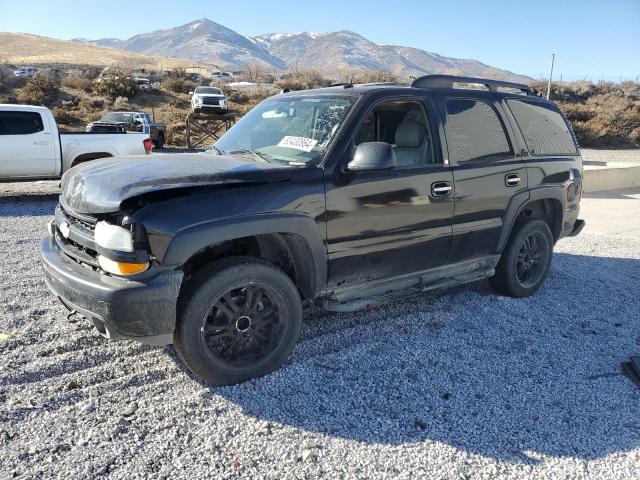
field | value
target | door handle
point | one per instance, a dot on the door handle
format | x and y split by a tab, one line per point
512	180
441	189
43	142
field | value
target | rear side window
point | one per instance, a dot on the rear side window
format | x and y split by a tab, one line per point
475	131
544	128
20	123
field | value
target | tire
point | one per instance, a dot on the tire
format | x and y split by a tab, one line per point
224	334
525	261
160	140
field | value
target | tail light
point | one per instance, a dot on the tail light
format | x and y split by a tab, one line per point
148	146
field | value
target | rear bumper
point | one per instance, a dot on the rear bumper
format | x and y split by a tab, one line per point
121	309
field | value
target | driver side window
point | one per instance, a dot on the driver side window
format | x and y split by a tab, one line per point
404	125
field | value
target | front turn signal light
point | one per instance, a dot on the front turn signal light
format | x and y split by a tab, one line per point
121	268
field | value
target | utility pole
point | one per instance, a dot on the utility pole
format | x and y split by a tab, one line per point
553	57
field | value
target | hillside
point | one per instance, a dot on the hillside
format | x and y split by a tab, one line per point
345	50
24	49
335	53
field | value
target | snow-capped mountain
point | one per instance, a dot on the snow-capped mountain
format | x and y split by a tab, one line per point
335	52
203	40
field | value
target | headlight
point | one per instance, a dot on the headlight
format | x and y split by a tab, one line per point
223	101
113	237
198	99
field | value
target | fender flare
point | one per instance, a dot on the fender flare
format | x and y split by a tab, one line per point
521	199
189	241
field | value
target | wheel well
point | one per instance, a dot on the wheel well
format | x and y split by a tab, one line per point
549	210
85	157
290	252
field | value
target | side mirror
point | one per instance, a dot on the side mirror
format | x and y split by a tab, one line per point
190	93
373	156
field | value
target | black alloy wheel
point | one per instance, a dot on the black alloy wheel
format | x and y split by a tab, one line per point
238	318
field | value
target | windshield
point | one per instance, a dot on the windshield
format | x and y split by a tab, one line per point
209	90
117	117
289	129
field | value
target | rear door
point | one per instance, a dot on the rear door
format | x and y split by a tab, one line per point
487	171
27	147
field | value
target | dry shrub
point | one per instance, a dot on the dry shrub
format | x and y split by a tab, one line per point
78	82
93	103
178	81
41	89
379	76
179	85
304	79
64	116
175	134
91	73
121	103
291	84
115	83
602	114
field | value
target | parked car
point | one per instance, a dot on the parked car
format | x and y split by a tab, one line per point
25	72
222	75
130	122
346	197
208	99
32	148
143	83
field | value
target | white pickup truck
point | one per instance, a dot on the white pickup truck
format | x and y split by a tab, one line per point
32	148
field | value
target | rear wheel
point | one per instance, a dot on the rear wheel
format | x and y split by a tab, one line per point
160	140
525	261
239	318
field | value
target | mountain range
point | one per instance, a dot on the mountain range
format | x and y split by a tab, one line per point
208	42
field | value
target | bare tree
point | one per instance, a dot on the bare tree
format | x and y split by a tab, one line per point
255	71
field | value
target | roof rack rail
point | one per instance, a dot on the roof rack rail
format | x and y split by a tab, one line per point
447	81
374	84
342	84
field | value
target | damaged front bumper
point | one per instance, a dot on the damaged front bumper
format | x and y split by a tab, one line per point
121	309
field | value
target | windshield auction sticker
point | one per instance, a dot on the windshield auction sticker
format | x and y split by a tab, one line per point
299	143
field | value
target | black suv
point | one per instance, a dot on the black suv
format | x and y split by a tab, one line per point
346	196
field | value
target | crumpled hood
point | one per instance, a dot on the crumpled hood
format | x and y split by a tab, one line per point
100	186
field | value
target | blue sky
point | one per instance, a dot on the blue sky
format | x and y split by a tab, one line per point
594	39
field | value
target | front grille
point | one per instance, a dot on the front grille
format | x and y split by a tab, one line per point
107	128
79	243
210	101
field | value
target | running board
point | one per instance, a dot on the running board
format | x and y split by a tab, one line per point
379	292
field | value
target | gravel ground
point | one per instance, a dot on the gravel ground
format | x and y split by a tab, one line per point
460	384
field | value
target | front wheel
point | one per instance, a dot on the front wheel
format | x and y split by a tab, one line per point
525	260
239	318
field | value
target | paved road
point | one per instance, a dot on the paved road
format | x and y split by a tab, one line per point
615	213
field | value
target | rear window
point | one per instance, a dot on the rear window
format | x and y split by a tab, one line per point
544	128
475	131
20	123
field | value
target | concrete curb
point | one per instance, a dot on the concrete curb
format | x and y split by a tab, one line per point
598	179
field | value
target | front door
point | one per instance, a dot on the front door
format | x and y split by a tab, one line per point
487	173
383	224
27	148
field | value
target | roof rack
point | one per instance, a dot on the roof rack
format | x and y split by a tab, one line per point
447	81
